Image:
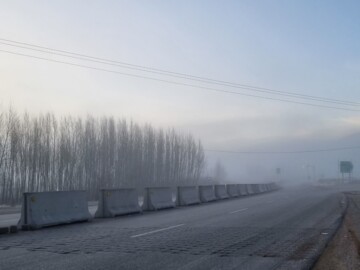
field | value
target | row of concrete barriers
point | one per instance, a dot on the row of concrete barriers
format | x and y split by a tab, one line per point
43	209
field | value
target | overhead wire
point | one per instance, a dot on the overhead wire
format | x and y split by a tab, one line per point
178	83
85	57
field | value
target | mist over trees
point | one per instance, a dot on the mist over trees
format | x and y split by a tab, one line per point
220	172
46	153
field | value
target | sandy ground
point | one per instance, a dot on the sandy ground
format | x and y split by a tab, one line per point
343	252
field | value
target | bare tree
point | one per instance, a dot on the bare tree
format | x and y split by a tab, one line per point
40	153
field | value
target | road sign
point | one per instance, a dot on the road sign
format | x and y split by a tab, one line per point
346	167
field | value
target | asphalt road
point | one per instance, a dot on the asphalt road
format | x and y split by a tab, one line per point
285	229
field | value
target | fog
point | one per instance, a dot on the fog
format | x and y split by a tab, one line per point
246	80
295	167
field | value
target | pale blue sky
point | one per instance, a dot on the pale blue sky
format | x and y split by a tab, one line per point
308	47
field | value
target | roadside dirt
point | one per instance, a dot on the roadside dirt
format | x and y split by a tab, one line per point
343	252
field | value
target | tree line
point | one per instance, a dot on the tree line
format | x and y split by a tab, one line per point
47	153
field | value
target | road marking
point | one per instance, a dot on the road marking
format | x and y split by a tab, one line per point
240	210
160	230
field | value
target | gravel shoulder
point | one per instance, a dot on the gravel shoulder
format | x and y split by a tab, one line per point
343	252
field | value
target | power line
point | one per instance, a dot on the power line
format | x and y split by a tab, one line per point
284	152
174	74
178	83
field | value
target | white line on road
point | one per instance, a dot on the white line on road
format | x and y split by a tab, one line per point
160	230
240	210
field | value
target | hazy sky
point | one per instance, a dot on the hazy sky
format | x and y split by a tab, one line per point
307	47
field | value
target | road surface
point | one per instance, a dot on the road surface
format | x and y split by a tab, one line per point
285	229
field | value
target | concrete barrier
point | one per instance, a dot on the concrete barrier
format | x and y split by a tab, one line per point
232	190
250	189
242	190
256	188
262	188
220	192
115	202
270	187
188	195
43	209
4	230
274	186
207	193
158	198
8	229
